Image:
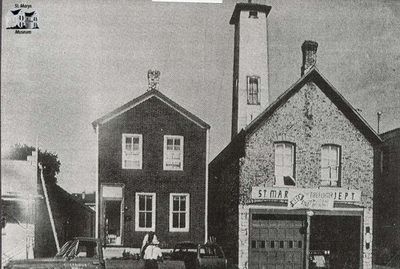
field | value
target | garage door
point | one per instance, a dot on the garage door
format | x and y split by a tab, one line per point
276	242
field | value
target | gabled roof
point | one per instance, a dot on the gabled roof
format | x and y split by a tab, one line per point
315	76
29	14
344	106
57	192
246	7
15	12
144	97
390	134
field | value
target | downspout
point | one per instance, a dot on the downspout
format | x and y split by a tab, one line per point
206	194
97	183
53	227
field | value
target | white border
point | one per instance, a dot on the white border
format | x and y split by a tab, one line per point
191	1
165	151
153	217
187	218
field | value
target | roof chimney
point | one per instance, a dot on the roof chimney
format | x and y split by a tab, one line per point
153	77
309	49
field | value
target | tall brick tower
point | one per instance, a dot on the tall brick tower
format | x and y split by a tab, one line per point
250	64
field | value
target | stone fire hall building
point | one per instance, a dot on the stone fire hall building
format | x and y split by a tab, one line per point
294	188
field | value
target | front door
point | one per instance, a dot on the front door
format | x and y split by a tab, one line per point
112	208
276	242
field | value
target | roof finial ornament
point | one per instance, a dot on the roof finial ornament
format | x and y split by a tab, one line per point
153	77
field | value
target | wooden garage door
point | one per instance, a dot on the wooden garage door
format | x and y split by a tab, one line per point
276	242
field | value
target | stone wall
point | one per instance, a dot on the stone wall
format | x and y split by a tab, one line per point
309	119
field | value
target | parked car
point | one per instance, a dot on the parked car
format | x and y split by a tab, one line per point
199	256
83	252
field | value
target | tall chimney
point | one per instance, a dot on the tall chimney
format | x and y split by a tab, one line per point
309	49
153	77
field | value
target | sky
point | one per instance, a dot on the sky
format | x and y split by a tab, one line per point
90	57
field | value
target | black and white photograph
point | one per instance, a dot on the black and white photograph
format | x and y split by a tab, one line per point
200	134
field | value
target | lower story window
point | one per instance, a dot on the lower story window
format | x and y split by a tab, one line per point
145	213
179	212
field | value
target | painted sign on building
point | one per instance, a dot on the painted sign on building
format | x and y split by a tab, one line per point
283	193
311	199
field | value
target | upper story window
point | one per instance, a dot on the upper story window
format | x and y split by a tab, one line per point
253	14
179	212
173	152
145	213
284	163
132	151
253	90
330	165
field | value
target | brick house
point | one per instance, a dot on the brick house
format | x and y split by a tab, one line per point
387	201
294	187
152	172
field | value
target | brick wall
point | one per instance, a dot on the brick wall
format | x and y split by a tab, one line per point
154	119
223	208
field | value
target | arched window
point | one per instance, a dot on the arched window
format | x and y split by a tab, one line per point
284	163
330	165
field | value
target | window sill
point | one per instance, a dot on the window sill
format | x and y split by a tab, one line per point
178	230
284	186
113	246
173	169
138	229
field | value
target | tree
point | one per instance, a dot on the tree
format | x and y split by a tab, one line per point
51	164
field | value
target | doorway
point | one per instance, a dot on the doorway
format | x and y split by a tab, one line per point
335	242
113	228
276	241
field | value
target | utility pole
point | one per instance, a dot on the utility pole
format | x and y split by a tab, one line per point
53	227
